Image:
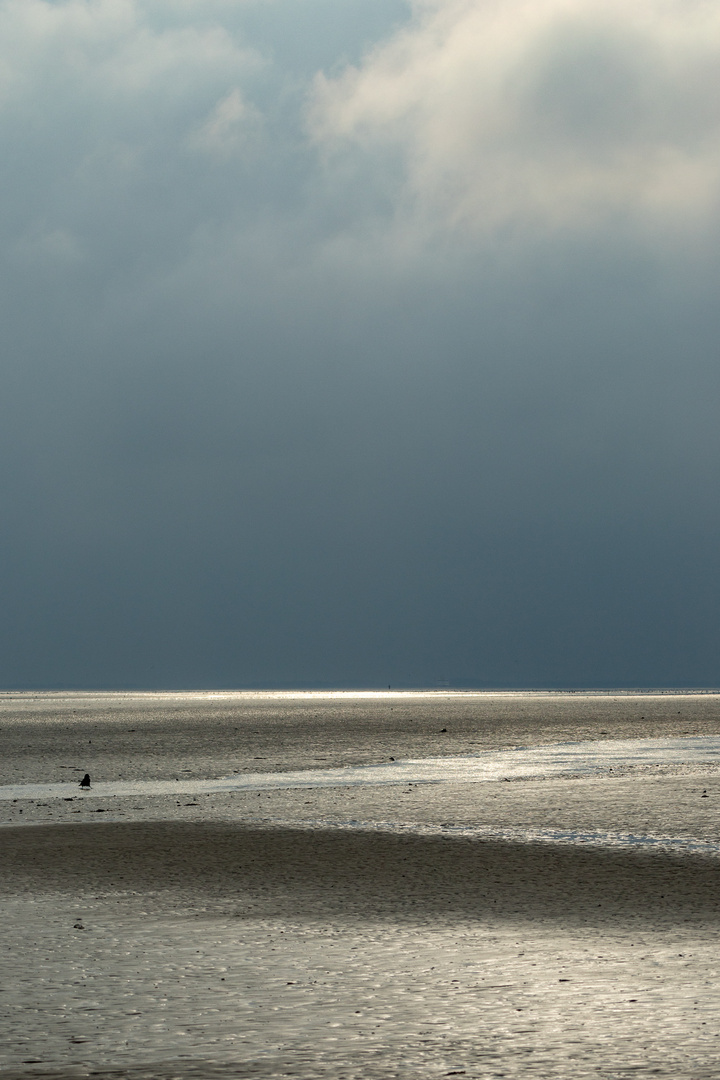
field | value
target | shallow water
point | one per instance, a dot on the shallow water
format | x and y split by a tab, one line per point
564	759
525	835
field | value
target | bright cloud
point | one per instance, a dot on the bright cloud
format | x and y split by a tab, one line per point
227	129
553	112
104	105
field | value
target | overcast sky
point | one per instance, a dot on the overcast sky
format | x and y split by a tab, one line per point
355	342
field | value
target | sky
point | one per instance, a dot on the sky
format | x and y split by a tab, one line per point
359	343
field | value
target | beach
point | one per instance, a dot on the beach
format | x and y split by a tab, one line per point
519	927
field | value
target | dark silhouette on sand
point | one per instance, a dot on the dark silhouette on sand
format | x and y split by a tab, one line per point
85	782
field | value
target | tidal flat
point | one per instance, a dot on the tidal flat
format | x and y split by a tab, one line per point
205	923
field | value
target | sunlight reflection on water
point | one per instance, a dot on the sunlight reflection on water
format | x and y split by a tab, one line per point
531	835
563	759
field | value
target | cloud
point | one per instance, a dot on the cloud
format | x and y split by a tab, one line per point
277	403
103	107
42	247
543	114
228	128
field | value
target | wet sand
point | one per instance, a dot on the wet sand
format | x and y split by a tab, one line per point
52	737
284	934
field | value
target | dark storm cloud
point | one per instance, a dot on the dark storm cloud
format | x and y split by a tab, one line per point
301	388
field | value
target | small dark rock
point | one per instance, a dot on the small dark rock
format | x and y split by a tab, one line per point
85	782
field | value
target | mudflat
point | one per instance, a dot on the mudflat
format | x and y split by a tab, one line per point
355	932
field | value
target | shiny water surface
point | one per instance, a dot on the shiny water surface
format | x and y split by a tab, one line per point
564	759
